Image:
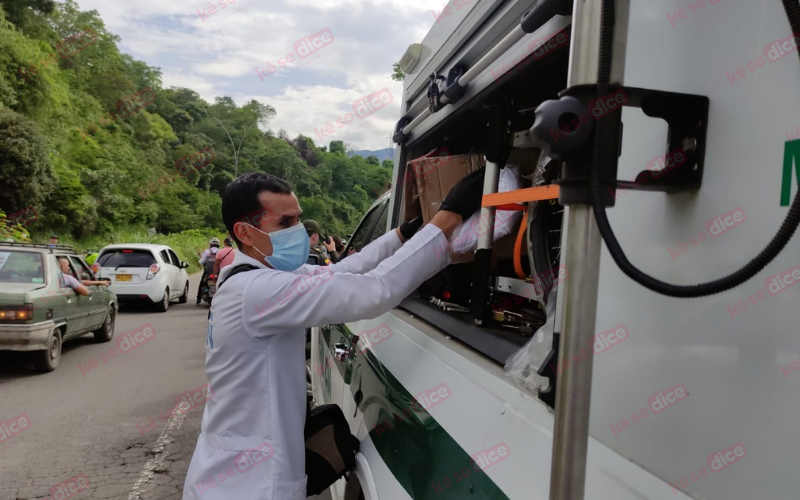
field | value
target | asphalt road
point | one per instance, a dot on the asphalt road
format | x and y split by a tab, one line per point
84	420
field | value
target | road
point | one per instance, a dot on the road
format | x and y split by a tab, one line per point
84	421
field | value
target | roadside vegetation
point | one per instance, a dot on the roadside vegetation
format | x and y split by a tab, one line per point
94	145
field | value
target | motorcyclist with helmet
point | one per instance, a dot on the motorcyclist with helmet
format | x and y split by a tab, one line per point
207	261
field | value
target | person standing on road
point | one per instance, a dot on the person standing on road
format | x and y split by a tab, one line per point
255	345
314	231
207	261
224	257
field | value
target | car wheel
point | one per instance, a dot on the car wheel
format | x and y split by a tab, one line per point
106	332
164	304
185	297
47	360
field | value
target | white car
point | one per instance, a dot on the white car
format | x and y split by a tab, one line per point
144	272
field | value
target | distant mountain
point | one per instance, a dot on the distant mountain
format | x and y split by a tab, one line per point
382	154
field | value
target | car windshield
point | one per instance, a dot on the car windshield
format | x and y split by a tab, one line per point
126	258
21	267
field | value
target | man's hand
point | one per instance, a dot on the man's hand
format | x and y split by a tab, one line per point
329	246
444	220
465	197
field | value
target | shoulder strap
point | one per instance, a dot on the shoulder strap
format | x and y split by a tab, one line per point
242	268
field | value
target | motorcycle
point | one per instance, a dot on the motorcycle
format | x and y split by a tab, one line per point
212	287
208	284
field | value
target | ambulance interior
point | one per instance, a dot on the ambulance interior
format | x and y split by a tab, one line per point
496	302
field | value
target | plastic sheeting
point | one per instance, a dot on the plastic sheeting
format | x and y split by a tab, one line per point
523	366
465	238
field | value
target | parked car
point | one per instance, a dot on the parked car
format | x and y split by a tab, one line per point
38	312
144	272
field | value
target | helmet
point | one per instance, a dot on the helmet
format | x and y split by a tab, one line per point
213	242
312	226
229	241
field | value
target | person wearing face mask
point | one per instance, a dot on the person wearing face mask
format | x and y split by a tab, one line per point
252	425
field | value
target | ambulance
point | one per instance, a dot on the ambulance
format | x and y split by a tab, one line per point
637	338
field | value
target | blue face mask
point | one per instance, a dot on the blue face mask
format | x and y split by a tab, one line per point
290	248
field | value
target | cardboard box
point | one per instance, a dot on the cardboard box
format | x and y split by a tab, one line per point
436	174
430	178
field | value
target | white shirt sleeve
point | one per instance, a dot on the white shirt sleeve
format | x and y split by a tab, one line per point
275	301
205	256
364	261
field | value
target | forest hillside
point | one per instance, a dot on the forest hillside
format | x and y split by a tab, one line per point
92	144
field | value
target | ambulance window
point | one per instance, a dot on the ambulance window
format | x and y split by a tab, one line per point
380	226
357	241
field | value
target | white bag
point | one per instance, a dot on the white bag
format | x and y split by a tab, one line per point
465	238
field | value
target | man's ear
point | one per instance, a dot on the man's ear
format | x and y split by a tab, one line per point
242	231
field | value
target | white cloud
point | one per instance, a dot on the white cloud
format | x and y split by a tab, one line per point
218	54
309	110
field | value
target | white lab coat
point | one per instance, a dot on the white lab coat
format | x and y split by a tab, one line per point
255	359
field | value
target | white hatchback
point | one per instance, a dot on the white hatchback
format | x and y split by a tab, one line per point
144	272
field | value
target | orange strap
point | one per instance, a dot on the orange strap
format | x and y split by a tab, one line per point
518	245
539	193
512	206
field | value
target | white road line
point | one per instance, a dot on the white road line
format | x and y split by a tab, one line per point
156	462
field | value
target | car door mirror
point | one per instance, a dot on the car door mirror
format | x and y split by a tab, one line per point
184	265
313	259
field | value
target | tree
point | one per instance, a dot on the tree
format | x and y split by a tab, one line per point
388	164
65	151
398	74
25	171
373	160
263	112
338	147
23	12
305	146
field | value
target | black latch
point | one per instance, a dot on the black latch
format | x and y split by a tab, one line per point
542	11
454	92
434	93
399	137
564	129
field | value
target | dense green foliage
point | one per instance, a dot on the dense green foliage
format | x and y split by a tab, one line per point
80	144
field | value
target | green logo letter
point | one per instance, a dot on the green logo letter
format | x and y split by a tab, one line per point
791	154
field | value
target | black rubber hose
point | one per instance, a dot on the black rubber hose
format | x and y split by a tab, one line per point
785	233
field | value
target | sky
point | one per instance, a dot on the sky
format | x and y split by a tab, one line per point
216	52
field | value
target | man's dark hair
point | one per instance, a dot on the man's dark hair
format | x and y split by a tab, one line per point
240	200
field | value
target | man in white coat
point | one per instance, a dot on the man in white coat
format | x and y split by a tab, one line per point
251	443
